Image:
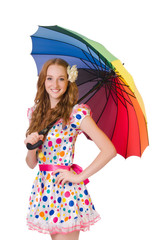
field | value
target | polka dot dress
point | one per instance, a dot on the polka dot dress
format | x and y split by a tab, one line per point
53	208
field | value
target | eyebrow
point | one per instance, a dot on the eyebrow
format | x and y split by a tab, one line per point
52	75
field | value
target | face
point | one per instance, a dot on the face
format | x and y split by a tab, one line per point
56	83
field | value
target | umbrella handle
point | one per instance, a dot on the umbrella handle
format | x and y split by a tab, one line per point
39	143
33	146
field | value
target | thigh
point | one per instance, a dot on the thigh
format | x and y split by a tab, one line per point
69	236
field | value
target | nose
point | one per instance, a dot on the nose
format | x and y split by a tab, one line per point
55	83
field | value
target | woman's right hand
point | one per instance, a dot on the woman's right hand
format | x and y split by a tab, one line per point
31	158
33	138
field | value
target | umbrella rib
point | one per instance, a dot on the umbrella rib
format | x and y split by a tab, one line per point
108	87
103	108
113	82
128	130
87	64
121	91
115	120
123	84
114	90
92	57
137	124
103	69
89	60
122	79
90	80
110	65
84	69
96	87
100	62
106	94
86	96
112	94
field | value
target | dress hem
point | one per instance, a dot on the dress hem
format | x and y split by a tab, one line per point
82	227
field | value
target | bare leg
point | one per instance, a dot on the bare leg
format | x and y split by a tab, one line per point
69	236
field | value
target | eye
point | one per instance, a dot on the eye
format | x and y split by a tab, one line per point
49	78
62	79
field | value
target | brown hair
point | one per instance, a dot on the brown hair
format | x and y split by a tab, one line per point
43	115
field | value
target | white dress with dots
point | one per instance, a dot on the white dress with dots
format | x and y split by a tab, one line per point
52	208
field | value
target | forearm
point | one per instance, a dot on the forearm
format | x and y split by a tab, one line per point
31	158
100	161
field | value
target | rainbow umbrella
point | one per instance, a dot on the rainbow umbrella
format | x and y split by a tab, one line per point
104	85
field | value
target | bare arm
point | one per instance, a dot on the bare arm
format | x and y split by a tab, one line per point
31	158
108	150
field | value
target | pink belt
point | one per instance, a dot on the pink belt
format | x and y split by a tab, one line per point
50	167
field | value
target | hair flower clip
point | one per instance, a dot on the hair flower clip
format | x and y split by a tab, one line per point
72	73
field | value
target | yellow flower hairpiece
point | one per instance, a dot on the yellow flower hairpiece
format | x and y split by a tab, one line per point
72	73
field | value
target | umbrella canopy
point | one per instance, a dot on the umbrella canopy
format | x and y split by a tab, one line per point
104	84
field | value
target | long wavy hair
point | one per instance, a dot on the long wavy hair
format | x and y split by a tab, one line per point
43	114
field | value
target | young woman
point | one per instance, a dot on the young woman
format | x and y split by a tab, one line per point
60	204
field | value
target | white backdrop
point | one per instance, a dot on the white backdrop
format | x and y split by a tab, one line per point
125	193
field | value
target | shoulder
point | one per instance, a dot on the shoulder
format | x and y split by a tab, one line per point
79	112
29	112
81	109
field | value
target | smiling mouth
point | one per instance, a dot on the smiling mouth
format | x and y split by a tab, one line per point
55	91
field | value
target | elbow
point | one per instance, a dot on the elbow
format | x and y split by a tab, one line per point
31	164
111	153
114	152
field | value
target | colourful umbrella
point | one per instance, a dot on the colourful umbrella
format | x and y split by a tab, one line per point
104	85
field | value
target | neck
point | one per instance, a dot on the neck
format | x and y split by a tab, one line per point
53	103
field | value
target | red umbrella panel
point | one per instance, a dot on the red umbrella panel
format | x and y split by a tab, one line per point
120	116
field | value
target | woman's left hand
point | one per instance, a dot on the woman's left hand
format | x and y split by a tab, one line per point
66	176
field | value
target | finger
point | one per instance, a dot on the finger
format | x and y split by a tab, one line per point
35	136
32	141
38	137
63	182
35	139
59	180
54	172
41	137
58	170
